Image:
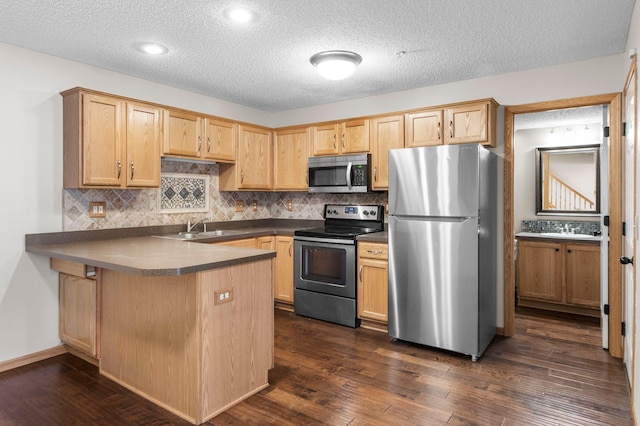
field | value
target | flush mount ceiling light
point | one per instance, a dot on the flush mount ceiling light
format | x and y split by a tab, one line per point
336	64
240	15
152	48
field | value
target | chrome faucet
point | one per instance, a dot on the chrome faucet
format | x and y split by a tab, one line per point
190	225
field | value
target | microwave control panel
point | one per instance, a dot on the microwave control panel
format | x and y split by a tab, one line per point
359	176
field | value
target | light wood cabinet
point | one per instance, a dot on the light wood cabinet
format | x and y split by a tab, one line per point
79	293
473	122
254	163
190	135
346	137
220	139
469	122
386	133
291	155
424	128
283	287
373	291
110	142
244	243
561	276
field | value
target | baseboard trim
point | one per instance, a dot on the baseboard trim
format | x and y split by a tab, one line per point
31	358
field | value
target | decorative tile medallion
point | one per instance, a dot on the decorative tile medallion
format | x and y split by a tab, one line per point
182	193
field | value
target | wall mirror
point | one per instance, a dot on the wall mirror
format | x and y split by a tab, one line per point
568	180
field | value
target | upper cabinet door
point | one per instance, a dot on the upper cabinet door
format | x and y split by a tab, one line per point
144	131
102	139
220	140
424	128
254	158
467	124
325	139
354	137
291	155
386	133
182	134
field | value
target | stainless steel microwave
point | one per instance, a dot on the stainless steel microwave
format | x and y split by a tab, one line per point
340	173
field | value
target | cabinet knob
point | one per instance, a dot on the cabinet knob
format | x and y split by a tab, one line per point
208	144
451	128
360	273
132	170
557	249
199	143
375	172
569	251
119	169
439	136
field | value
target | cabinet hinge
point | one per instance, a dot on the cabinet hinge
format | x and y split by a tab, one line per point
624	228
624	129
606	220
606	309
623	329
606	131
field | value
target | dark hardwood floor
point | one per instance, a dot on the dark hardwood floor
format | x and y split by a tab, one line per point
553	372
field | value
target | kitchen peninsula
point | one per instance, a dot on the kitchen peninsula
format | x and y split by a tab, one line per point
186	325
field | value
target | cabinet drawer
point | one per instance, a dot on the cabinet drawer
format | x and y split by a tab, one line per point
73	268
373	250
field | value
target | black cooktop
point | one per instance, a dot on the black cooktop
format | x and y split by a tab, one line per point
347	222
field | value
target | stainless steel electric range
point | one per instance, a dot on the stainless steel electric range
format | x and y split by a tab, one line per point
325	262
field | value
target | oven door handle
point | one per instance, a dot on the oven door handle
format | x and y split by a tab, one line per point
324	240
349	166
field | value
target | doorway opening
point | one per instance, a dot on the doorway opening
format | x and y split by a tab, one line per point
514	117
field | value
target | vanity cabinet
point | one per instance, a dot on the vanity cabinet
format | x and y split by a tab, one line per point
346	137
253	169
78	305
110	141
468	122
291	157
373	282
559	275
193	136
386	133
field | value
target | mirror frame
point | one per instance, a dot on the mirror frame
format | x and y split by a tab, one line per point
539	173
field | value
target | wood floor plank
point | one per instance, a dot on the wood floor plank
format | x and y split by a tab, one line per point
552	372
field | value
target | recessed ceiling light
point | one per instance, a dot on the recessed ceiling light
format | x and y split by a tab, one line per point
240	15
152	48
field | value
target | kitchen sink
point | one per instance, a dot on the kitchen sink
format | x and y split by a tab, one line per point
189	236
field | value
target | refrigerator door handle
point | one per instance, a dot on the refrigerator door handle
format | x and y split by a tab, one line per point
349	166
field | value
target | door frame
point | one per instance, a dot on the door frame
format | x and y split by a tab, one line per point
614	100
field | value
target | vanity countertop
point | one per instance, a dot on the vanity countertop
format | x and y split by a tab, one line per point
560	236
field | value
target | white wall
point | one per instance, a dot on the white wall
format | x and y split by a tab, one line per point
31	132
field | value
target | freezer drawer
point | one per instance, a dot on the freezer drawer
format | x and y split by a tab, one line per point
433	282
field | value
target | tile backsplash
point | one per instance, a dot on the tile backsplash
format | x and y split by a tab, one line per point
140	207
576	227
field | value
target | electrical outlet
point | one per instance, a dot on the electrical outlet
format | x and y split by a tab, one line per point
386	208
254	205
97	209
223	296
239	205
290	205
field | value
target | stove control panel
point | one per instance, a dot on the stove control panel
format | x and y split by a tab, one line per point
359	212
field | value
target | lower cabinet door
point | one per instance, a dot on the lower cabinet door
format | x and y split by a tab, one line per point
79	313
373	289
283	287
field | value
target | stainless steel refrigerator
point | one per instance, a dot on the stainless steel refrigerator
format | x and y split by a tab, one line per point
442	247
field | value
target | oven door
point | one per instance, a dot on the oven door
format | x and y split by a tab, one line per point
326	266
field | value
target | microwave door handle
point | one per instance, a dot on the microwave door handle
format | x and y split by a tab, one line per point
349	165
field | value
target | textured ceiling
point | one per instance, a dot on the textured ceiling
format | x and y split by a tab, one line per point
266	65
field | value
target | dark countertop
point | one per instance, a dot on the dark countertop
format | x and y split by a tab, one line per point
374	237
143	251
